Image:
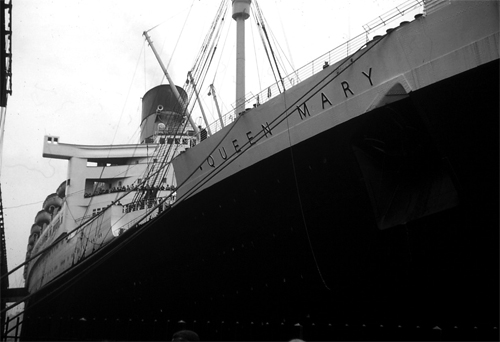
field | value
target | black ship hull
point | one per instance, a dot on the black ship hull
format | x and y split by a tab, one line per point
337	233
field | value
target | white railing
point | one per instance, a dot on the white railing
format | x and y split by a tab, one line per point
342	51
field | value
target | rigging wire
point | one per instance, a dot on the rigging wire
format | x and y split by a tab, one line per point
285	112
116	130
164	21
87	222
299	198
129	166
188	178
178	39
165	150
62	237
292	64
209	48
265	48
336	72
102	171
208	38
145	69
196	187
221	53
22	205
256	59
260	18
274	123
128	93
134	135
224	73
276	43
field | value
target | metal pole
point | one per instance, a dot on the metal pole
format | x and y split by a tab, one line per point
17	328
212	91
199	102
172	85
240	65
241	12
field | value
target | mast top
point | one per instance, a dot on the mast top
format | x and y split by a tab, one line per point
241	9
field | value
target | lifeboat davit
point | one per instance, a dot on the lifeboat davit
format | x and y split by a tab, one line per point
52	202
61	190
42	217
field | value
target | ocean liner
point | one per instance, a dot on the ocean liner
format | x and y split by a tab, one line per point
358	203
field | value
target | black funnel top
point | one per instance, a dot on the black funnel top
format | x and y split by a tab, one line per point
160	105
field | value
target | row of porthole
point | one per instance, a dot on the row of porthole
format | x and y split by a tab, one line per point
312	324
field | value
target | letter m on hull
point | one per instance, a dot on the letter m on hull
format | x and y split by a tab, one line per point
304	111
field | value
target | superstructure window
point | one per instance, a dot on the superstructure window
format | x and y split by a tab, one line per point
96	211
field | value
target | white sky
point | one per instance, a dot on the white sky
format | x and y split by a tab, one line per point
80	68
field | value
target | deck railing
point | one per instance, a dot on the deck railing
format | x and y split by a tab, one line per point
338	53
12	328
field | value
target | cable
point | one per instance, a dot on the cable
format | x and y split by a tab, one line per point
178	39
260	135
256	59
260	18
300	202
279	119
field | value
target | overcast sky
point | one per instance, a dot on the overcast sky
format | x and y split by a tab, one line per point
80	68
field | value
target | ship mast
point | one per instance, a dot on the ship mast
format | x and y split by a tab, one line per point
172	85
241	12
212	92
191	79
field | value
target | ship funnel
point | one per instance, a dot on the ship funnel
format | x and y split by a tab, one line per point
161	110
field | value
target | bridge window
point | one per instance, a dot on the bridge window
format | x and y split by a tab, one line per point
53	140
